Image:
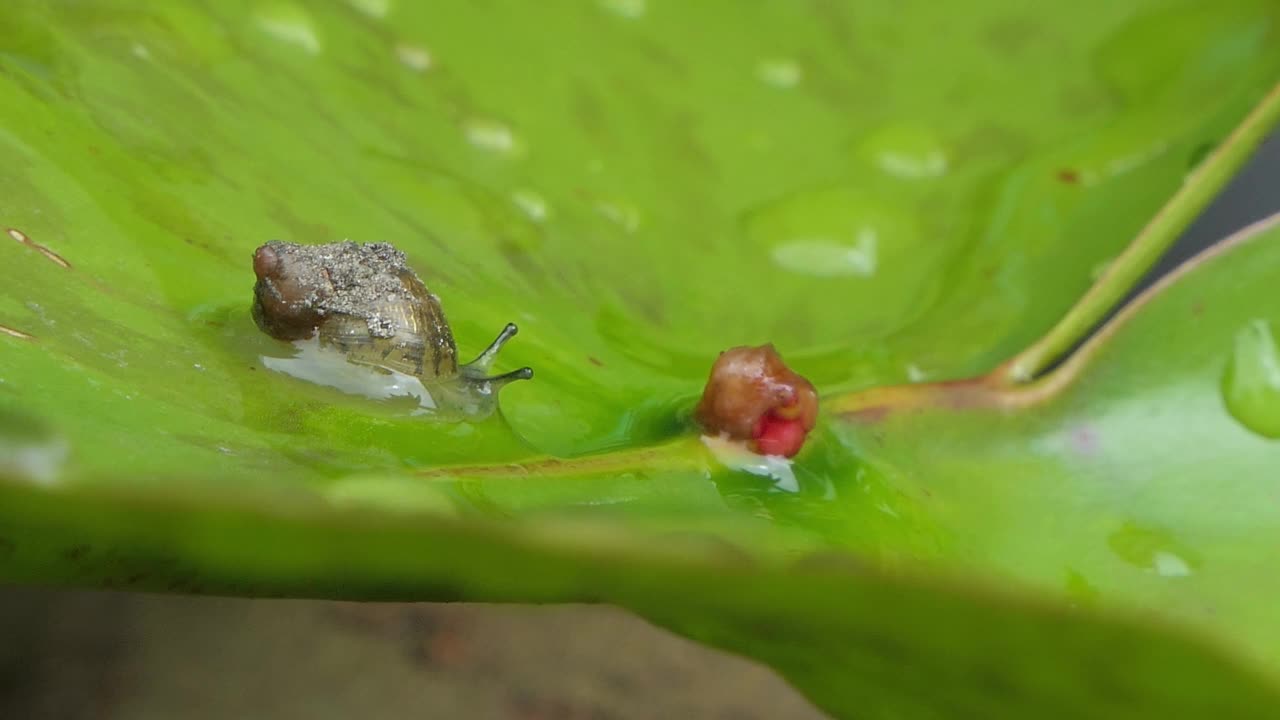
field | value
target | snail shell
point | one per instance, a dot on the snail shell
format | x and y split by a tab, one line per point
364	301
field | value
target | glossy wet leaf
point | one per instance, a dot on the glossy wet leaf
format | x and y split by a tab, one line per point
859	642
624	186
1146	481
638	185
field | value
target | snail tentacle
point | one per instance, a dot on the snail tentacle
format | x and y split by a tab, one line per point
524	373
478	369
484	360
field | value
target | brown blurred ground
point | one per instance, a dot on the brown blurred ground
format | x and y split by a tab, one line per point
95	655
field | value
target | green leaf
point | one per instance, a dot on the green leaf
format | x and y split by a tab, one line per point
859	642
1139	474
622	184
886	193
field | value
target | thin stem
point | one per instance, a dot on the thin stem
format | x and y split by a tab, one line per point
980	392
684	453
1199	188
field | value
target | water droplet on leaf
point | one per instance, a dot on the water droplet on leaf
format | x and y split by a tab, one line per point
781	73
630	9
490	135
829	233
864	239
532	204
1169	565
1251	382
826	259
414	57
625	215
372	8
289	24
907	151
29	450
1153	550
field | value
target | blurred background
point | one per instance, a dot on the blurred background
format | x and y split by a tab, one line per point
71	654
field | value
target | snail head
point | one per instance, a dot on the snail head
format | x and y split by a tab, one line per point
283	307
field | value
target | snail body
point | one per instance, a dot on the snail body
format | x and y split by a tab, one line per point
364	301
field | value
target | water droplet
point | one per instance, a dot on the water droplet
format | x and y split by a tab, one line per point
780	72
864	239
834	233
625	215
289	24
1153	550
915	374
29	450
1169	565
373	8
906	151
630	9
828	259
1251	382
735	456
532	204
490	135
414	57
140	51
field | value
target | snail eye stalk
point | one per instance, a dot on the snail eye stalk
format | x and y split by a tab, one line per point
484	360
478	369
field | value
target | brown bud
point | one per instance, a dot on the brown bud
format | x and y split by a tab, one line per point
753	396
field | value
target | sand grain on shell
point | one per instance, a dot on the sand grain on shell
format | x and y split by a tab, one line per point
349	278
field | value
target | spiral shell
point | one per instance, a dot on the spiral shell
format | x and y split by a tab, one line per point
364	301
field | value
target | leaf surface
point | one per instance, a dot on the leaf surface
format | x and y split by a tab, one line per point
638	185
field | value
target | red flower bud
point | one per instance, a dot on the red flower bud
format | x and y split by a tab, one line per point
753	396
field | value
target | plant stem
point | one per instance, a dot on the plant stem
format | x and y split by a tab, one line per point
684	453
1199	188
872	404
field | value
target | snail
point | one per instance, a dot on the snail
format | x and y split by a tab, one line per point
364	301
752	396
